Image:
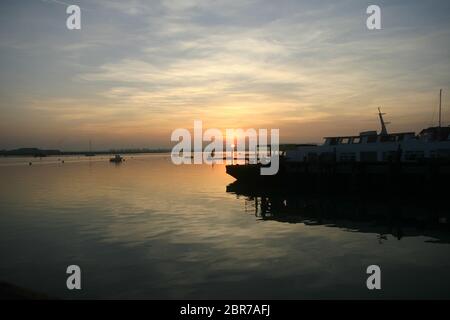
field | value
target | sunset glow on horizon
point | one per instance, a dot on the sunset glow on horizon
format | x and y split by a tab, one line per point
137	70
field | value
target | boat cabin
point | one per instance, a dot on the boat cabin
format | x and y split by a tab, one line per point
371	146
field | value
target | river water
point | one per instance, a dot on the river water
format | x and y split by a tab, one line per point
149	229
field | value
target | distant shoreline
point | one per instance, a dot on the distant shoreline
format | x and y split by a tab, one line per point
35	152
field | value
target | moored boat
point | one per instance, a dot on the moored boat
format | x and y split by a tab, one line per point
117	159
386	160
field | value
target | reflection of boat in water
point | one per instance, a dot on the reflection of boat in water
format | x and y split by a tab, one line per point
390	161
399	216
117	159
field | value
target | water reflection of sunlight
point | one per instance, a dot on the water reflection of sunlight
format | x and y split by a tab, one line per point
179	226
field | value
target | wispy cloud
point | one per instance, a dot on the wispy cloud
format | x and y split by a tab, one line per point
296	65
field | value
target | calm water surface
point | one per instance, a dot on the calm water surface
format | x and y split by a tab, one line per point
149	229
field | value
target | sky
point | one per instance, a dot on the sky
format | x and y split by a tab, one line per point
137	70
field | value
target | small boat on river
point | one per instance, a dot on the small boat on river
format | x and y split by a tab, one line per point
117	159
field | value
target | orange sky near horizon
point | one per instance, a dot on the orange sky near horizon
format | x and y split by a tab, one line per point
137	71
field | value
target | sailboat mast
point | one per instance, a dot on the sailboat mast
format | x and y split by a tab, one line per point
440	107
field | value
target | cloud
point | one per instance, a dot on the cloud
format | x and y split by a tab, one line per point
289	64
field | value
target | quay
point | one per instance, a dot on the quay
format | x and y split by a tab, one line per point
423	176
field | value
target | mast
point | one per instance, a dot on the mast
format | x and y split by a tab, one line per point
440	107
383	124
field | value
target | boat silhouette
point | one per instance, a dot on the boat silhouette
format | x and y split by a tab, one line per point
117	159
393	162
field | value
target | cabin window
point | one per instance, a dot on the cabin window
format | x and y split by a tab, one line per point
356	140
345	140
368	156
347	156
371	139
333	141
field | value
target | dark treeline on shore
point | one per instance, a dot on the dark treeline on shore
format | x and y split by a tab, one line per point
35	152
